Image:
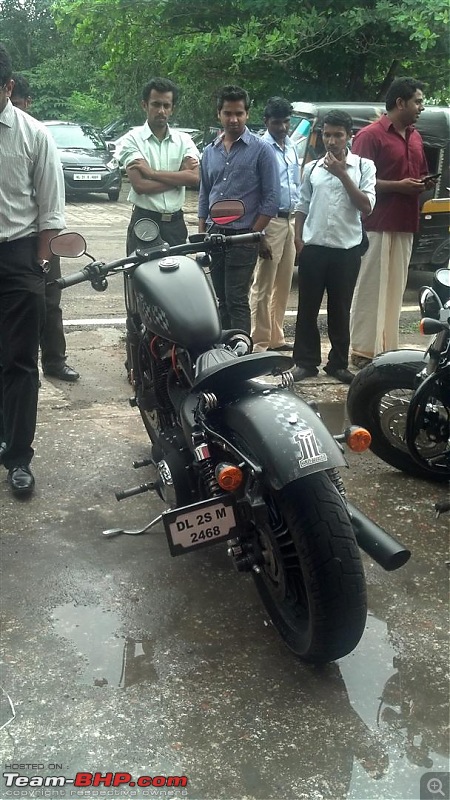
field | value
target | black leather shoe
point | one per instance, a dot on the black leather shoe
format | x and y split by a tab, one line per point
2	451
21	479
63	373
342	375
300	373
283	348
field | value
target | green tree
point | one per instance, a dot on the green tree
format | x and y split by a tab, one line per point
304	49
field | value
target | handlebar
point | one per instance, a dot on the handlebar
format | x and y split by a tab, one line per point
98	269
74	278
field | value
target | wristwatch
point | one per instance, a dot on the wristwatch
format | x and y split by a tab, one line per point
44	264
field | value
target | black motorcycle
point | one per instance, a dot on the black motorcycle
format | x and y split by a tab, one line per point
239	459
403	396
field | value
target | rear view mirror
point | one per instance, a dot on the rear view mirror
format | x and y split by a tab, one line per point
225	211
68	245
429	302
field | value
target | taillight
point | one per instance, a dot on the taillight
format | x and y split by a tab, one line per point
357	439
229	477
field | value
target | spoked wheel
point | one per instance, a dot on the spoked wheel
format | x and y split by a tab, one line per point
312	581
428	427
379	400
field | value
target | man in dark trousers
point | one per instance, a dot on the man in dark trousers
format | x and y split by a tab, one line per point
336	190
52	341
31	213
160	162
241	166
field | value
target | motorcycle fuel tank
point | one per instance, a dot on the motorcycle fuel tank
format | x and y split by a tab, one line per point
176	301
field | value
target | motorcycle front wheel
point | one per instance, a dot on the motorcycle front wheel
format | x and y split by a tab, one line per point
378	399
311	580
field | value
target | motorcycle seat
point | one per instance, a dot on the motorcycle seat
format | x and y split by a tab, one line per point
217	370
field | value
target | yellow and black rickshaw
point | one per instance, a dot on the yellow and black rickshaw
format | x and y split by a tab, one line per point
431	244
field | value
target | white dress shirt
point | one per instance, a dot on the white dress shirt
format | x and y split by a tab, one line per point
332	219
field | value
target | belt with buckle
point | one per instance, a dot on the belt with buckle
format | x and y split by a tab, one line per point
284	214
230	231
164	217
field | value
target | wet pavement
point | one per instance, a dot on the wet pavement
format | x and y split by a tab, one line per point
119	658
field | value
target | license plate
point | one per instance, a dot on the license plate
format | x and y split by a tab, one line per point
199	525
89	176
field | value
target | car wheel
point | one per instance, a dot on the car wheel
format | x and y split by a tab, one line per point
114	195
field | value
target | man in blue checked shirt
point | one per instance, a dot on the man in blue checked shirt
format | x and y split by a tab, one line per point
237	166
269	294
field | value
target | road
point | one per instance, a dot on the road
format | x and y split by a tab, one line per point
117	657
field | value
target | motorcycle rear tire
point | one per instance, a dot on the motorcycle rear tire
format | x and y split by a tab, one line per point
363	405
312	582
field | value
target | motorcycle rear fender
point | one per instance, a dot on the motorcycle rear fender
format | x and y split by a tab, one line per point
282	433
416	359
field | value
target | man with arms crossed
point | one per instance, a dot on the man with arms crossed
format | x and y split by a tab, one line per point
397	150
31	213
160	162
237	166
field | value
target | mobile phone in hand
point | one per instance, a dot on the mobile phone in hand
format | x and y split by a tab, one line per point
433	177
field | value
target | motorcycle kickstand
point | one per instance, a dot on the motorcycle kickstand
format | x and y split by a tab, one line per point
117	531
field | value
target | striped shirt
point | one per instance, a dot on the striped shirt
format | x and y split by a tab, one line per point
31	177
248	172
166	155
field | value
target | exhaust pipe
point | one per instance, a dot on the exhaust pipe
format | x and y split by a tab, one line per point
376	542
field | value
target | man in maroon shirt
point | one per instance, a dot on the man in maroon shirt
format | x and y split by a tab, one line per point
397	150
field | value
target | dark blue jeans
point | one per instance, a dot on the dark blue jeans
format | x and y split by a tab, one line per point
231	274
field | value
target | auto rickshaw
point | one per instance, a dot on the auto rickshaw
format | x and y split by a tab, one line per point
431	247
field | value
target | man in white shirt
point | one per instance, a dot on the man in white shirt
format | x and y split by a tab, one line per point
336	190
160	162
31	213
269	294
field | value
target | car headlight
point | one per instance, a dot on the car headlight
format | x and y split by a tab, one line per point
113	164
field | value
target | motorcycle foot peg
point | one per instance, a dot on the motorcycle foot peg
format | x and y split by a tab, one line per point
144	487
146	462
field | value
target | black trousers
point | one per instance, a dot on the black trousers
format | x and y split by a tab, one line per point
22	310
174	232
53	342
335	270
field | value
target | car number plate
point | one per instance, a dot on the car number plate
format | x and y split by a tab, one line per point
200	524
88	176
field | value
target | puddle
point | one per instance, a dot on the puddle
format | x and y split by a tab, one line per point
106	657
404	707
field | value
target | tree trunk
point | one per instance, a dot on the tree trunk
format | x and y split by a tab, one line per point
388	78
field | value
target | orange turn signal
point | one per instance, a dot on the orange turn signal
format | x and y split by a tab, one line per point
357	439
229	477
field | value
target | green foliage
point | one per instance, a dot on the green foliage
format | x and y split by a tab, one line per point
92	57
